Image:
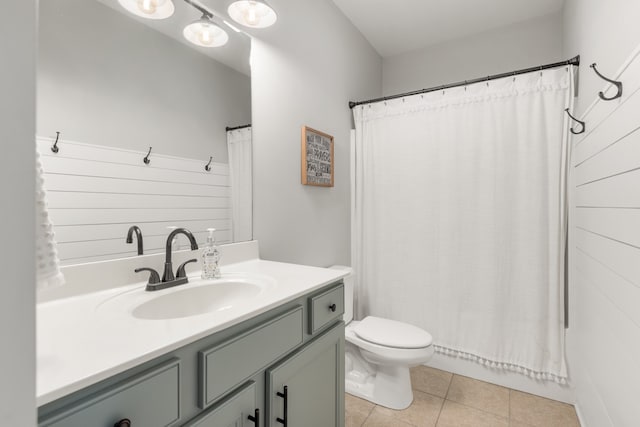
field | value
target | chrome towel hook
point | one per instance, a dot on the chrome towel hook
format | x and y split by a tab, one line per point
208	166
613	82
146	159
579	121
55	148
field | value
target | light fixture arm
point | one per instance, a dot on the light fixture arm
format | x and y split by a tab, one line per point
205	12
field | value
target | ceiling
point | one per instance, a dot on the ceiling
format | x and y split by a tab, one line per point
397	26
234	54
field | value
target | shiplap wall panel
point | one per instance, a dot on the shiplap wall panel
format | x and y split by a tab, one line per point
77	233
96	193
135	201
620	191
77	183
610	363
614	223
620	291
621	258
132	216
609	133
605	254
142	172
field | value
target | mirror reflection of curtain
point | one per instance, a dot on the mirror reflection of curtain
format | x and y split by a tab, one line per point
240	174
47	262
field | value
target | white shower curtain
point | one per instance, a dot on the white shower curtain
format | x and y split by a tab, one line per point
240	173
459	218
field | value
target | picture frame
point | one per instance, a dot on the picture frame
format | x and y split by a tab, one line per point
316	161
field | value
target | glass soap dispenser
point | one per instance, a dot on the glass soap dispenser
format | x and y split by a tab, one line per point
210	258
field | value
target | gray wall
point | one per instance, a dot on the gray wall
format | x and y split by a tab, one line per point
305	75
603	337
105	79
17	259
522	45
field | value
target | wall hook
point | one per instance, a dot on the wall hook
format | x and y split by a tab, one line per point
208	166
146	159
613	82
579	121
55	148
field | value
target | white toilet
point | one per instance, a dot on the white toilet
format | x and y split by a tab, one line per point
379	353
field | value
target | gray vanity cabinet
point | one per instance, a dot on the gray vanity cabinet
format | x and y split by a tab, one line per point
306	389
230	378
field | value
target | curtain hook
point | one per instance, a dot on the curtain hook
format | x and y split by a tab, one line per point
208	166
146	159
55	148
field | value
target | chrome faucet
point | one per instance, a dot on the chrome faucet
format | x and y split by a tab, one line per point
136	229
168	279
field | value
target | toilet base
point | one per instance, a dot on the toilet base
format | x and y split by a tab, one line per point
388	386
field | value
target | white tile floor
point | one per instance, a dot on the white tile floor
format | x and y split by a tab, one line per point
443	399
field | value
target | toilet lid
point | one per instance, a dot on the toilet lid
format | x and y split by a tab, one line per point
391	333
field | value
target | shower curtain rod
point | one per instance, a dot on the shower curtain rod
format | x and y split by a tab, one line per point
238	127
573	61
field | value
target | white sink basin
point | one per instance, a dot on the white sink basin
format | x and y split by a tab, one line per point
195	298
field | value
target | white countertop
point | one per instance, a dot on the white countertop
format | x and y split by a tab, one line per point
81	342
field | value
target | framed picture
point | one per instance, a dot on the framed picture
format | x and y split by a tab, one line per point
317	158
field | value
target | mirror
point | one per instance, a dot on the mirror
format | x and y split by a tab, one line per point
114	85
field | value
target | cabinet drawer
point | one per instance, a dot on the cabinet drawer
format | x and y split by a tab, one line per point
151	399
233	410
325	308
224	366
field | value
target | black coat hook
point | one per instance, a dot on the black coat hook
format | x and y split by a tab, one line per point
613	82
146	159
208	166
579	121
55	148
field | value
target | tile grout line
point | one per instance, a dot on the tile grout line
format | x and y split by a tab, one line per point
444	399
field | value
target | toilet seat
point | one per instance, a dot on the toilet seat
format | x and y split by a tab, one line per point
391	333
397	355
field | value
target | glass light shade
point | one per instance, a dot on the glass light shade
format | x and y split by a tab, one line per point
150	9
252	13
205	33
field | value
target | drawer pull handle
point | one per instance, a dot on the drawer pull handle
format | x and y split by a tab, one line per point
255	417
284	395
332	307
125	422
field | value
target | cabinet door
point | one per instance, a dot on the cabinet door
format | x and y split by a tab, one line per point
314	381
236	410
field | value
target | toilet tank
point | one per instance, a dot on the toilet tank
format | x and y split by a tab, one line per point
348	292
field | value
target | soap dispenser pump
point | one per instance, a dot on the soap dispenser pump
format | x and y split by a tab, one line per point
210	257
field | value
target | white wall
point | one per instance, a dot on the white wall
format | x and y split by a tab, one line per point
605	32
304	71
17	259
105	79
522	45
604	335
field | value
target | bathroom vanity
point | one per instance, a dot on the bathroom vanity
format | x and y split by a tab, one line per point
276	359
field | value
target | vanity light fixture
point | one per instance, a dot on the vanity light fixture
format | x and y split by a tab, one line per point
252	13
204	32
150	9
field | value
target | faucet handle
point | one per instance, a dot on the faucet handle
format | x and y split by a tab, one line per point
154	277
181	271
